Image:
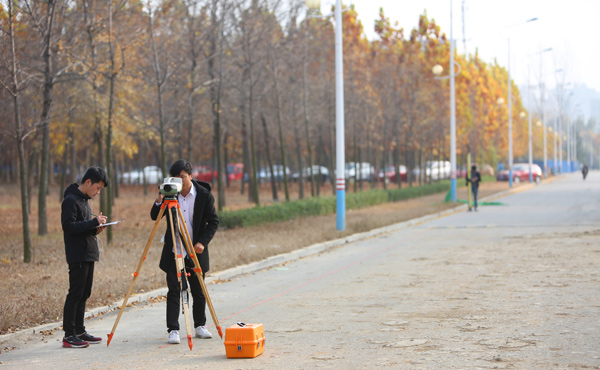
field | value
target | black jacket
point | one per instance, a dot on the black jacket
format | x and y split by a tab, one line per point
475	175
204	226
79	228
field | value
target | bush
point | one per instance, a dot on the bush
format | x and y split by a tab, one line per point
323	206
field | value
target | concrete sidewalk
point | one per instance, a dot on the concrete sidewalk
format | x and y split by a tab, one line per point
511	286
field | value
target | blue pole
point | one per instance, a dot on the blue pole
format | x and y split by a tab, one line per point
341	209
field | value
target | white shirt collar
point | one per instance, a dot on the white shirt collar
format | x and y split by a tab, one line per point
192	192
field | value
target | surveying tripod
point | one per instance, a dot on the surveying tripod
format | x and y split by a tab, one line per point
171	204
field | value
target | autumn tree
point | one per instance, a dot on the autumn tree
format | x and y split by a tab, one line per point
15	84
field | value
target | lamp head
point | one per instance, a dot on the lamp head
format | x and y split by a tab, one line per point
500	101
437	69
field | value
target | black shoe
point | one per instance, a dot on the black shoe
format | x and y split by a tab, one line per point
74	342
89	338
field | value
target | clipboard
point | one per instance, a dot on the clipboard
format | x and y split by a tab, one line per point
110	223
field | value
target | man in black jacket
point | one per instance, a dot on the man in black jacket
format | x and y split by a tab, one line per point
474	180
80	228
197	205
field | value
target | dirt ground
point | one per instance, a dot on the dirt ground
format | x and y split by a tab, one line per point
34	293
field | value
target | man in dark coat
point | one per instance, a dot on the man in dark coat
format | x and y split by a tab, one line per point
80	228
474	180
197	205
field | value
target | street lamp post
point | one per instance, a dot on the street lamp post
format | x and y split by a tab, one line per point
452	117
544	123
510	146
554	139
437	70
339	121
339	114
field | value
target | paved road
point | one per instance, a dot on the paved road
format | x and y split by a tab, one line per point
509	287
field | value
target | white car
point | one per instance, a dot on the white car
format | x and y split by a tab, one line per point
365	171
316	170
264	174
438	170
153	175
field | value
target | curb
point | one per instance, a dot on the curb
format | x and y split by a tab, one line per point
272	261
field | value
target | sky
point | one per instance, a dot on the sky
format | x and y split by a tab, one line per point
570	28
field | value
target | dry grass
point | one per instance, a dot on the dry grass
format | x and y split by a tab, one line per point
34	293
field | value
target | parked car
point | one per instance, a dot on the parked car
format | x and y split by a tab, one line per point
264	175
521	173
365	171
204	173
316	170
389	175
153	175
235	171
438	170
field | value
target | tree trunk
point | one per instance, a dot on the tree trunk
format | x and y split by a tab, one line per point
245	149
226	159
215	94
308	147
45	119
14	90
299	155
159	87
32	169
252	146
355	159
279	125
98	132
269	161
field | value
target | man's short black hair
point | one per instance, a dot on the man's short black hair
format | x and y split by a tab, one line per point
180	165
473	167
96	174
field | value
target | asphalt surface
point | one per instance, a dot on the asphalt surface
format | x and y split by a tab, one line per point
513	286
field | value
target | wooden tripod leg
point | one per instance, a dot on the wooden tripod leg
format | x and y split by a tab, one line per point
181	269
198	270
135	275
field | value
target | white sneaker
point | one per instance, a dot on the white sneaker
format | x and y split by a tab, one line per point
201	332
174	337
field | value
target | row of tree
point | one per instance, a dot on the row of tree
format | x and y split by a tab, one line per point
127	83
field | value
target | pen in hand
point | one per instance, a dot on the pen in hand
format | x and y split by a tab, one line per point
101	218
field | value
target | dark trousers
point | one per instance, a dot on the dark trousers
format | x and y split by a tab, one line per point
174	299
475	190
81	277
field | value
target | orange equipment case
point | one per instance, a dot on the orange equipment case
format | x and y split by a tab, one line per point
244	340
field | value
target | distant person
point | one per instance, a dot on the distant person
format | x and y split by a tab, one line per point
585	170
197	205
474	180
80	228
